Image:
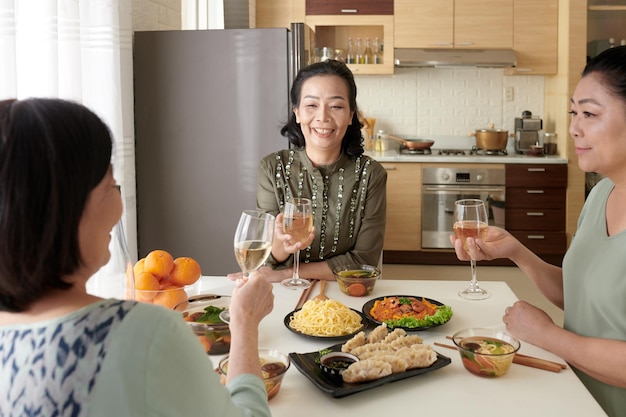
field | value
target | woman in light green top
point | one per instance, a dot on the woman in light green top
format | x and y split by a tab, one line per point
65	352
326	165
591	286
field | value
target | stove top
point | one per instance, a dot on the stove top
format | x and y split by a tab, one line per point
474	151
407	151
488	152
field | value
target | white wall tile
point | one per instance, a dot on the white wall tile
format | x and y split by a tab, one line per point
447	101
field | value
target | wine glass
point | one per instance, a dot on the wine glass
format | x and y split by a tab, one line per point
253	243
471	221
297	222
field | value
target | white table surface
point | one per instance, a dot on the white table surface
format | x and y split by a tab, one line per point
523	391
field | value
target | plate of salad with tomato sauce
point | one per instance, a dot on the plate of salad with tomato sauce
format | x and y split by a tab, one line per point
407	312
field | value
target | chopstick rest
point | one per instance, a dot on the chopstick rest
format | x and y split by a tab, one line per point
533	362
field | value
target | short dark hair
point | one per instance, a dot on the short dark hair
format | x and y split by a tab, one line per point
610	67
352	143
53	153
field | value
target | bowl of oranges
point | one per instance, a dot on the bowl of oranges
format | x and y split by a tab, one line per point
164	280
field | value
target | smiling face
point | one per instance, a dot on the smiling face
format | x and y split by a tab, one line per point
598	127
324	115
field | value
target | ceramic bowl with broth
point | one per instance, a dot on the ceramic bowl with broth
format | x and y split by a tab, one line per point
356	280
486	352
274	365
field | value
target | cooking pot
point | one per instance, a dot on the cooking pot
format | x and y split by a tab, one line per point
413	143
491	139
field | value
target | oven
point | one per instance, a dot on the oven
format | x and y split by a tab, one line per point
442	186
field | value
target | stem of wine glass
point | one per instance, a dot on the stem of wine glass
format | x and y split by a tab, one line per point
474	282
296	267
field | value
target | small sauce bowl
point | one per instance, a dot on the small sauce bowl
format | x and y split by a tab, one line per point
334	363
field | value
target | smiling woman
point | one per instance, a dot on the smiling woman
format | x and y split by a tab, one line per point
326	165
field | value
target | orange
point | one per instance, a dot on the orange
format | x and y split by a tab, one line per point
146	286
186	271
138	268
159	263
170	298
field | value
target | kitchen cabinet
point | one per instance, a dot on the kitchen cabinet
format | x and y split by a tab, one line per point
404	203
277	13
349	7
535	37
453	24
606	20
333	31
536	207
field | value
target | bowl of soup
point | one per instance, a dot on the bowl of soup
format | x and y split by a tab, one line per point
486	352
356	280
274	365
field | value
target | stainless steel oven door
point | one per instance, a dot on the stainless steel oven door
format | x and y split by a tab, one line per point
438	210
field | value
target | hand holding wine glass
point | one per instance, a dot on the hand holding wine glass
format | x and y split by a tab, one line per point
253	243
471	221
298	223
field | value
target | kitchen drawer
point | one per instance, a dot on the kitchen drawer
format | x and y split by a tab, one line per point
539	196
534	219
544	175
542	242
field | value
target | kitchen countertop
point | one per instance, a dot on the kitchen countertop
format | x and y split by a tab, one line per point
512	158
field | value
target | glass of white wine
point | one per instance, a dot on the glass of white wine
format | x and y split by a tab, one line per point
470	220
253	243
297	222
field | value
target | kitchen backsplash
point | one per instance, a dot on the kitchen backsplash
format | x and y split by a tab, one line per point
447	103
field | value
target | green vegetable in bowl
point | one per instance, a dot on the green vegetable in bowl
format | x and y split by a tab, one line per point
211	315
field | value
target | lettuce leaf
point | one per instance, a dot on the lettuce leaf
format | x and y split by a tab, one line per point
443	314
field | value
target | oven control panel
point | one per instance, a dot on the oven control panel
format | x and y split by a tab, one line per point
463	176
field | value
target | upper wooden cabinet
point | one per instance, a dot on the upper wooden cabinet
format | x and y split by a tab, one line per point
453	24
333	31
349	7
276	13
535	37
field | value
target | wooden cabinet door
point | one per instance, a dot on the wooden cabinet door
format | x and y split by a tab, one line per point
424	23
483	24
535	36
278	13
355	7
404	217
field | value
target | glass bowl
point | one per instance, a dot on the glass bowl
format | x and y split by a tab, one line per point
274	365
201	312
356	280
486	352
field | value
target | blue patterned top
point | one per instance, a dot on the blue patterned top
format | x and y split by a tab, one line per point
117	358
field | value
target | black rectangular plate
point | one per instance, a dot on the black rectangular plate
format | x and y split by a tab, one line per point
307	365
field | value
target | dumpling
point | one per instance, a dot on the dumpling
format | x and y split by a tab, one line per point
366	370
378	334
356	341
406	341
395	334
418	356
371	347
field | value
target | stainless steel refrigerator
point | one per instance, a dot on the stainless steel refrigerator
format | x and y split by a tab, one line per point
208	106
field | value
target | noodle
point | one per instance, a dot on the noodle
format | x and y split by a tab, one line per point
325	318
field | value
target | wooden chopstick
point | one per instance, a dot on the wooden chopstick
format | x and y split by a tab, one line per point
305	294
538	363
521	355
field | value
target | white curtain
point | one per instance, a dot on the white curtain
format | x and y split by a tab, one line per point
79	50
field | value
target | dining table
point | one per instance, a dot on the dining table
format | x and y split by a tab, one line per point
447	391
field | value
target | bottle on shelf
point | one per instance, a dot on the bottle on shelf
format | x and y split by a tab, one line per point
368	55
378	53
359	52
350	53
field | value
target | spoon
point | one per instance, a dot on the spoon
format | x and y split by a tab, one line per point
321	295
